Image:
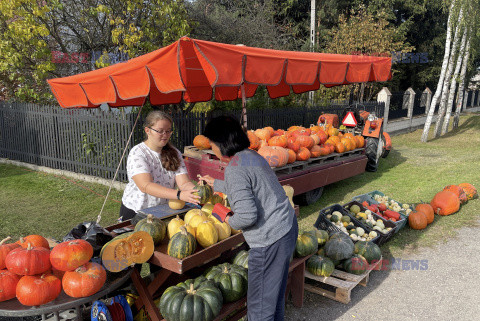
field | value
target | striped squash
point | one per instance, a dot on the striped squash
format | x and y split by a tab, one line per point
181	244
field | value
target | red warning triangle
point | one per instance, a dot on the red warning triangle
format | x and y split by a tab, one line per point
349	120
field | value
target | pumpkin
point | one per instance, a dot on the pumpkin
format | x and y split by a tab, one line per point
293	144
231	279
316	151
292	156
201	142
216	198
369	250
263	143
280	141
174	226
153	226
263	134
306	244
39	289
5	249
28	261
270	130
204	191
275	156
457	190
333	131
303	154
191	213
316	139
339	247
241	259
305	141
207	234
360	141
127	249
445	203
469	190
339	148
278	132
84	281
191	300
176	204
321	235
301	131
427	210
69	255
417	220
356	264
34	240
197	219
323	137
223	229
254	140
208	208
8	285
182	244
320	266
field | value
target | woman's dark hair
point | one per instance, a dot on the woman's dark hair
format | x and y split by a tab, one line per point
227	134
169	157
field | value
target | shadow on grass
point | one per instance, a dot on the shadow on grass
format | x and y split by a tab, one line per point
471	123
7	170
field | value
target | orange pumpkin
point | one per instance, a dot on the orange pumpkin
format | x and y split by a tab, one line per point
201	142
331	147
34	240
292	156
427	210
346	142
349	135
417	220
323	136
270	129
254	140
316	139
334	139
5	249
303	154
333	131
280	141
469	190
275	156
445	203
361	141
278	132
263	134
293	128
316	151
293	144
324	150
305	141
315	129
301	132
457	190
339	148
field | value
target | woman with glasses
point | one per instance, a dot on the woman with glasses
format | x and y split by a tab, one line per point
154	167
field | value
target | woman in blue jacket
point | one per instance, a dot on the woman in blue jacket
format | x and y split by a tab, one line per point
261	210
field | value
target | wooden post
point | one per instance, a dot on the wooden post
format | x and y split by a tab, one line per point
244	107
411	102
384	96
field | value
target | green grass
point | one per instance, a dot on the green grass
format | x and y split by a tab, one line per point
40	203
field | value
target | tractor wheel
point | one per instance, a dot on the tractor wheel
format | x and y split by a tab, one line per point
373	150
309	197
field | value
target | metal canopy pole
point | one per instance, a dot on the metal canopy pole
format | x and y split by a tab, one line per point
244	107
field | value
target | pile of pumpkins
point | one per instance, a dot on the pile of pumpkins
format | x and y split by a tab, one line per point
35	274
445	202
280	147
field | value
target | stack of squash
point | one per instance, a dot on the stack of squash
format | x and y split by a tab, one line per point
35	275
280	147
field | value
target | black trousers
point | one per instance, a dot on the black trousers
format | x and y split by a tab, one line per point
126	213
267	277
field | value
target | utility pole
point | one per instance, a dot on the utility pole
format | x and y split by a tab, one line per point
312	40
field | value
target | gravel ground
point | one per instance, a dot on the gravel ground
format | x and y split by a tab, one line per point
447	289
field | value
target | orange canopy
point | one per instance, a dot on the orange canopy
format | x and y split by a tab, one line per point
197	70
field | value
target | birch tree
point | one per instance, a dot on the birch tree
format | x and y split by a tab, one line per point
453	83
448	76
461	87
441	80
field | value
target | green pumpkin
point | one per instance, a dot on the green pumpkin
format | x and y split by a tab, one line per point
182	244
355	265
197	299
204	191
339	247
306	244
153	226
241	259
369	250
321	251
231	279
321	235
216	199
320	266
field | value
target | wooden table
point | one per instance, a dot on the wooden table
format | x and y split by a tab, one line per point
221	251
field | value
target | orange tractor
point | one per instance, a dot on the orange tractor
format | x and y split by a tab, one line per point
360	122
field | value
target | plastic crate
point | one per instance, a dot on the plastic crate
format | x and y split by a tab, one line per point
369	197
322	219
383	237
323	223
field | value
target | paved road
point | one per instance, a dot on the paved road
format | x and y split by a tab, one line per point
447	290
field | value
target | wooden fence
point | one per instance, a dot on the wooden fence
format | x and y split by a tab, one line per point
91	141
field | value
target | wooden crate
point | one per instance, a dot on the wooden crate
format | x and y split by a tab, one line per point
342	283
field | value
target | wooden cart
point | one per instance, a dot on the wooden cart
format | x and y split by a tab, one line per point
219	252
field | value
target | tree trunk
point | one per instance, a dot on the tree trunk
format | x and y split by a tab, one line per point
446	56
461	86
448	77
453	84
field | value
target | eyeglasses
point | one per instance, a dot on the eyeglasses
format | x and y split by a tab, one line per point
162	132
